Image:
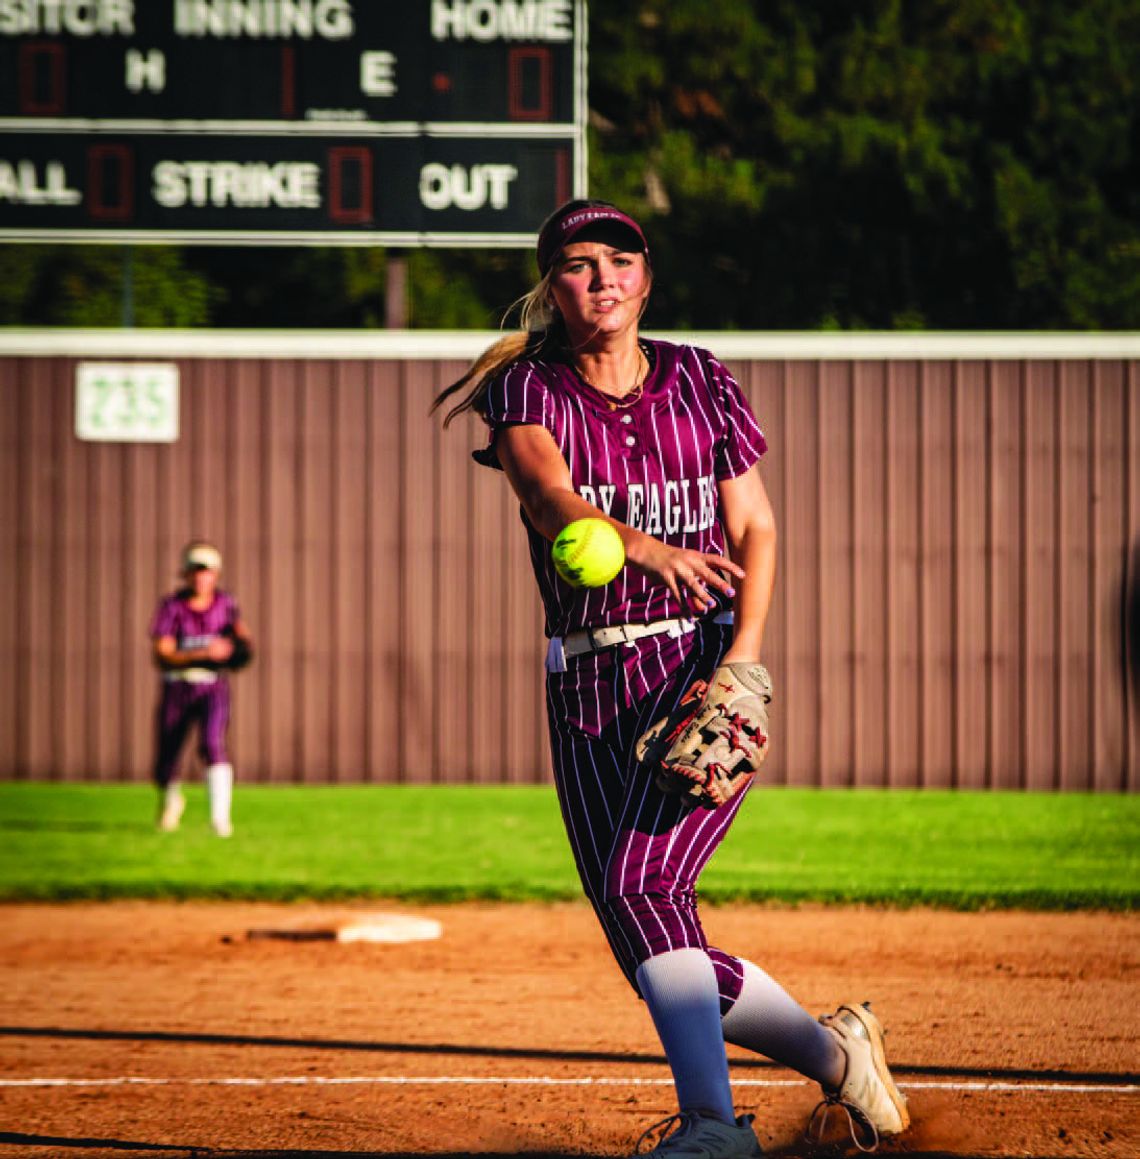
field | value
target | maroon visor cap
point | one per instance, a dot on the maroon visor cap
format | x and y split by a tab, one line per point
563	227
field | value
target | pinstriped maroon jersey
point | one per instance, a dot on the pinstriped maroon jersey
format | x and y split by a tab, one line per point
654	465
193	629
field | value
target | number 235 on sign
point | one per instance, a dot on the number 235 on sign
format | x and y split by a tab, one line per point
127	402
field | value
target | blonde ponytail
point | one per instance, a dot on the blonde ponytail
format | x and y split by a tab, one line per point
542	331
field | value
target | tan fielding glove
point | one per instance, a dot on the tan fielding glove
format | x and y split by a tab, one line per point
710	746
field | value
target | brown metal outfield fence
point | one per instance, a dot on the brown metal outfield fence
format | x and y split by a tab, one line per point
957	602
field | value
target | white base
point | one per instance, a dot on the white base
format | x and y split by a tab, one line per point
390	929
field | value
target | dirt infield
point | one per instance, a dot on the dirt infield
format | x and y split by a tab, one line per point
163	1030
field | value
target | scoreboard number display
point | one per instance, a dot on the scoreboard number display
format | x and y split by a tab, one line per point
351	122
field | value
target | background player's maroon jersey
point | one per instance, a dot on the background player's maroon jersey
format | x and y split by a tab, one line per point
192	629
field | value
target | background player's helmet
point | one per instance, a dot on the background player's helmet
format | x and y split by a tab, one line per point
200	554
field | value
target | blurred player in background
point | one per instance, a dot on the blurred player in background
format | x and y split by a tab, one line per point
589	419
197	633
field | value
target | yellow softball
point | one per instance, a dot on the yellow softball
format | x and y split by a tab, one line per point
588	553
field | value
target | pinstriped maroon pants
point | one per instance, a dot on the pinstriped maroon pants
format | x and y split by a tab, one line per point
639	852
182	706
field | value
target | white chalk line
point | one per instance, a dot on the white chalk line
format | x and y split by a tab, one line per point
1022	1087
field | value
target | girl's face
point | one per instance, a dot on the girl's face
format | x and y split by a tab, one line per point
599	290
202	580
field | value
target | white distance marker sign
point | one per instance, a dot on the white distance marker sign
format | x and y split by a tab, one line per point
126	402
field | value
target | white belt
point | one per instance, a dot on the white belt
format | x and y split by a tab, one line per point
192	675
598	639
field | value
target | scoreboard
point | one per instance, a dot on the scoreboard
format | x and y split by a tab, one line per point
342	122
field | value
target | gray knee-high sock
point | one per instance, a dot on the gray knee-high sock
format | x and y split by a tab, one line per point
680	990
766	1019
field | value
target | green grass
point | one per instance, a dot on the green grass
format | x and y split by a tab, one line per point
962	850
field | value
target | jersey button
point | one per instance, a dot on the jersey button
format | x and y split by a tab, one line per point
630	440
627	419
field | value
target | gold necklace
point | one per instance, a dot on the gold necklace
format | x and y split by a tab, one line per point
632	395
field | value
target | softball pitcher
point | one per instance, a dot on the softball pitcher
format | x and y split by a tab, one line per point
197	633
589	419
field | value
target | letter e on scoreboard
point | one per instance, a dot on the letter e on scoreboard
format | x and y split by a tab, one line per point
350	185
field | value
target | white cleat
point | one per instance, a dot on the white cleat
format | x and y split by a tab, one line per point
867	1093
223	828
173	806
697	1137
